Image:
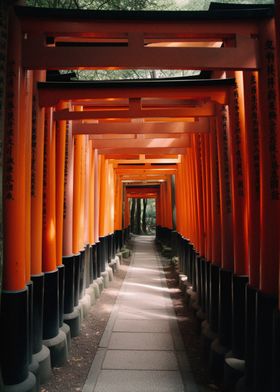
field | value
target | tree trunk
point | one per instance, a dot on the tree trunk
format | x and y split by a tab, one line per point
144	217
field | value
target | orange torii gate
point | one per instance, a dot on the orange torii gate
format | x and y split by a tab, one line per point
67	143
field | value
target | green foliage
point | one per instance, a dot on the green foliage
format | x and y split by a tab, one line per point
136	5
143	216
128	5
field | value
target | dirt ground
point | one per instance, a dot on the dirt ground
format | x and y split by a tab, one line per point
71	377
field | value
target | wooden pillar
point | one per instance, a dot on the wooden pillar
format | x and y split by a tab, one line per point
269	161
252	173
267	297
225	188
26	118
15	310
169	223
238	184
49	196
78	148
36	217
14	174
91	184
86	190
37	159
215	198
199	192
208	195
60	178
67	249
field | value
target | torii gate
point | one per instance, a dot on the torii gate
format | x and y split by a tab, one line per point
223	138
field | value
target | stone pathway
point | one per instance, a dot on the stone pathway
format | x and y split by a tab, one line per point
141	349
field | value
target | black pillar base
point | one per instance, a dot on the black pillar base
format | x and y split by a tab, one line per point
209	327
276	352
225	311
61	280
102	253
216	360
207	338
38	293
77	262
94	261
233	370
82	285
214	297
98	259
40	353
53	337
14	331
221	346
69	269
250	325
234	362
265	308
239	284
51	305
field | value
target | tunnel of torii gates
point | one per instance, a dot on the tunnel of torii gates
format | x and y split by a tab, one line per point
75	152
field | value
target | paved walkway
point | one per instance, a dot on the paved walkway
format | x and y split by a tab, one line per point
141	349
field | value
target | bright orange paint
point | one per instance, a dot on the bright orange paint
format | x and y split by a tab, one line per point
49	196
225	189
238	183
60	168
14	277
37	163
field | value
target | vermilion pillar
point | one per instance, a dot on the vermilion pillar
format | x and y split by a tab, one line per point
205	139
60	167
67	248
53	337
225	188
49	196
238	184
269	161
26	115
96	193
104	211
14	337
79	213
41	352
252	172
215	196
267	297
91	226
86	190
199	193
239	187
70	260
223	343
78	148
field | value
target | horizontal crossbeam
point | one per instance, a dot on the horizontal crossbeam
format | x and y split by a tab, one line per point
141	128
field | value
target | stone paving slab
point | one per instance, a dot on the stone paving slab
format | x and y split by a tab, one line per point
129	312
140	341
141	349
140	360
141	326
144	304
139	381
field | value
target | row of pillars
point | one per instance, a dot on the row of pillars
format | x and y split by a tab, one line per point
228	194
62	227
